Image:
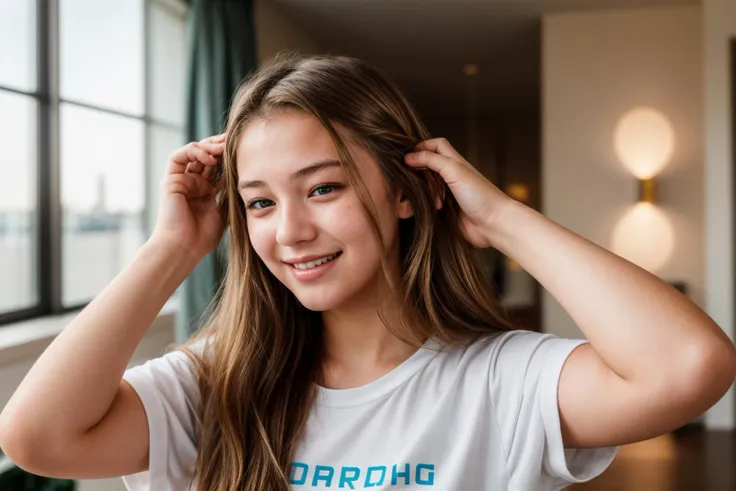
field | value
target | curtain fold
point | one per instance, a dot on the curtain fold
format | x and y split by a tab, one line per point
221	52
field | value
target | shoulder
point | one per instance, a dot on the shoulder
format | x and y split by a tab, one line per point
503	343
525	347
172	376
509	355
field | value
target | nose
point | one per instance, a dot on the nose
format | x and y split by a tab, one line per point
295	225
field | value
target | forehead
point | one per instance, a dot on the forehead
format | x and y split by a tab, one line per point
285	141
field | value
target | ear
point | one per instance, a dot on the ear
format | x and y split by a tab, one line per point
437	187
439	199
403	207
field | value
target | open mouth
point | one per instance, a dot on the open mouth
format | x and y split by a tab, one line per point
317	262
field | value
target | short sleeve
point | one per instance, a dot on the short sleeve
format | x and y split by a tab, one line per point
524	375
168	389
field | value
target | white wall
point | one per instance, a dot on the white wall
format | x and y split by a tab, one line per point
596	67
719	21
276	32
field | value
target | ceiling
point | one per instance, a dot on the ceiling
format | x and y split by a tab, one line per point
424	44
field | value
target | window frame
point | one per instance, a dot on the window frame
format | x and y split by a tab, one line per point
48	182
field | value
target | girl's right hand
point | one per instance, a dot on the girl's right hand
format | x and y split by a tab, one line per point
189	215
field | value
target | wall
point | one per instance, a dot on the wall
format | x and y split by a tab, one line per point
596	67
719	21
276	32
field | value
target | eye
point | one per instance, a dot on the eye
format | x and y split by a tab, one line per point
324	189
258	204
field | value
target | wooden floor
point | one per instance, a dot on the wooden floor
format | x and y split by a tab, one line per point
689	459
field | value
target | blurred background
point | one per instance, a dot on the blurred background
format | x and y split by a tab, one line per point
614	118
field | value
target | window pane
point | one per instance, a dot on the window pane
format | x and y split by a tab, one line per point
102	190
168	64
101	53
163	143
18	44
18	193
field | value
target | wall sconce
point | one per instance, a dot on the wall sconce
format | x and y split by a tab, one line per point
647	190
644	142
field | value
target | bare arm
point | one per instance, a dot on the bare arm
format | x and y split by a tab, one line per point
655	360
72	416
56	410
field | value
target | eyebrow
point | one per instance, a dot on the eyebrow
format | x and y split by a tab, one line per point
300	174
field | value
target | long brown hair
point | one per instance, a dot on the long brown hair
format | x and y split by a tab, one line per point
258	382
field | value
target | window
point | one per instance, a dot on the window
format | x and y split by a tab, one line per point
18	135
18	216
18	44
78	197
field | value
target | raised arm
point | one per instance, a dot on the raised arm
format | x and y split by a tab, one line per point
72	416
655	360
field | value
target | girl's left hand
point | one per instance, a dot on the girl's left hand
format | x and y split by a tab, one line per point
480	201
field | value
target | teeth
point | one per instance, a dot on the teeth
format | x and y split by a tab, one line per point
317	262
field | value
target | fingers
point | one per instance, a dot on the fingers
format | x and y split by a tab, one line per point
431	160
438	155
193	186
199	153
207	171
197	167
440	146
215	138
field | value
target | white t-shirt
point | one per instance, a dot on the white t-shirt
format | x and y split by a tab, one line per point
478	418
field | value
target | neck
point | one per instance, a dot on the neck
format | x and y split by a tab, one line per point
358	347
358	330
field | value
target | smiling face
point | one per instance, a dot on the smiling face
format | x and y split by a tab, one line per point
304	220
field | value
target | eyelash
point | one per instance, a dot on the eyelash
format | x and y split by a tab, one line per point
251	205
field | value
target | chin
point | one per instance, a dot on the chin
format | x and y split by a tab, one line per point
318	302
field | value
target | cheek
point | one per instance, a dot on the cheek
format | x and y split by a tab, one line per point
262	238
347	223
351	226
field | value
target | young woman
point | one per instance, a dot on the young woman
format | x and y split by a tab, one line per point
354	342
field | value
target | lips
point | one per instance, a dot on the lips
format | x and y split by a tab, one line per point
314	259
314	269
316	262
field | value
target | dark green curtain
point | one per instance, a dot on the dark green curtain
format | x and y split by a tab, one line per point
221	50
